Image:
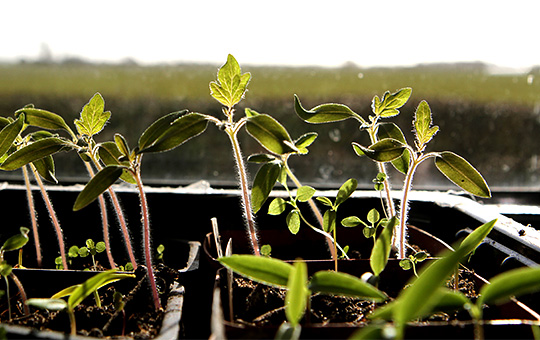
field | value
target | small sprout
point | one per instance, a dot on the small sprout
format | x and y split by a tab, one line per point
160	250
412	261
266	250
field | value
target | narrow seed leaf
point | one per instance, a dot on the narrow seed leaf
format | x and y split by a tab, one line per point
462	173
297	294
325	113
270	134
110	154
385	150
336	283
50	304
305	140
122	145
9	133
264	182
515	282
345	191
383	245
267	270
45	168
391	130
180	131
158	128
93	117
43	119
97	185
16	241
34	151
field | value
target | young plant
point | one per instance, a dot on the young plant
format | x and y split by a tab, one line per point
76	294
411	261
92	249
454	167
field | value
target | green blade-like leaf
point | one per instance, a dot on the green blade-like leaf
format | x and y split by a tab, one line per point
515	282
43	119
264	182
97	185
16	241
329	220
34	151
422	124
45	168
109	154
474	239
336	283
293	221
325	113
261	158
270	134
157	128
297	294
462	173
390	103
50	304
65	292
305	193
277	206
267	270
391	130
122	145
9	133
93	117
345	191
385	150
383	246
305	140
180	131
94	283
324	200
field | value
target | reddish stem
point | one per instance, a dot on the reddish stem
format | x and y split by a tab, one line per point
33	217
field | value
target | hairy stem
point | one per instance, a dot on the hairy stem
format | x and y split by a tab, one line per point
246	200
104	220
22	292
52	215
33	217
146	239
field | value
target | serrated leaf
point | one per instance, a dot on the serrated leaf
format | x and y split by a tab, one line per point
336	283
345	191
297	294
515	282
305	193
270	134
231	85
264	182
383	245
9	134
43	119
325	113
34	151
97	185
385	150
462	173
267	270
391	130
422	124
277	206
180	131
93	117
293	221
158	128
391	102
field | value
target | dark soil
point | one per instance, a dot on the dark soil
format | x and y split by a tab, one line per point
138	320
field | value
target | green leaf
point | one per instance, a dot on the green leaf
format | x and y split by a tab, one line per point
385	150
329	221
351	221
45	168
336	283
422	124
264	181
297	294
267	270
325	113
180	131
277	206
383	245
97	185
462	173
304	141
50	304
93	284
406	264
345	191
33	152
158	128
65	292
73	251
293	221
16	241
305	193
391	130
93	117
122	145
373	216
9	134
390	103
100	247
287	332
261	158
515	282
43	119
324	200
231	85
270	134
109	154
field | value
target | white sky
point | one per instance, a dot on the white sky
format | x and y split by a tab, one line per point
329	33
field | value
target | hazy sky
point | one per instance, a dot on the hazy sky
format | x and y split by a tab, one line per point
368	33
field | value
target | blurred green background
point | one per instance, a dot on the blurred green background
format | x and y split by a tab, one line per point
491	119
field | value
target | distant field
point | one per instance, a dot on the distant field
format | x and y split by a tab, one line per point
491	120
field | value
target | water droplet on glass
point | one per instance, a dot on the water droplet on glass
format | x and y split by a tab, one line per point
530	79
335	135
